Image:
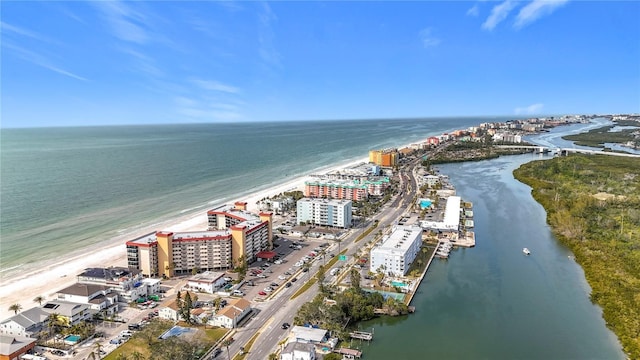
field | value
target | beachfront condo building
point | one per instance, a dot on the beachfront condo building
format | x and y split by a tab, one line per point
234	234
324	212
385	158
397	250
356	189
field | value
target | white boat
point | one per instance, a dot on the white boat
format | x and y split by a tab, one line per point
526	251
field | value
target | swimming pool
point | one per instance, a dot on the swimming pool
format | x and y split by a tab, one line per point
71	339
175	331
398	284
425	203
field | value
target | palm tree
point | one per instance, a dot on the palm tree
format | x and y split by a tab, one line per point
226	343
39	299
15	308
98	347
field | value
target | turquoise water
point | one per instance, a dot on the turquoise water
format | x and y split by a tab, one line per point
425	204
72	339
75	188
398	284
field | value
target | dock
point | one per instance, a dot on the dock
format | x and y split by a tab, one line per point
361	335
349	353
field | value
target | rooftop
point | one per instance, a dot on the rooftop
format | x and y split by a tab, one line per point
400	238
207	277
308	334
83	289
11	344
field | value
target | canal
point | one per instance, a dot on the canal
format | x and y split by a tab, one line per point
492	301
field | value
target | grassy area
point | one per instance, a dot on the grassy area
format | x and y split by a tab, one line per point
138	343
366	232
593	207
314	279
213	335
597	137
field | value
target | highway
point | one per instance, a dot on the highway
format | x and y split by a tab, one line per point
280	309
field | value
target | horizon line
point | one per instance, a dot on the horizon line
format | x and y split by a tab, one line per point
514	117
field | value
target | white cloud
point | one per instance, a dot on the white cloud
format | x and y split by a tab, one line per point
529	110
427	38
535	10
498	14
126	23
473	11
215	86
39	60
199	110
24	32
266	36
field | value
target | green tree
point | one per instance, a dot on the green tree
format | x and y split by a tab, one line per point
186	307
321	277
354	276
54	323
15	308
195	270
332	356
226	343
39	299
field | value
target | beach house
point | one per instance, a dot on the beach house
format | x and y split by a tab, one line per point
13	347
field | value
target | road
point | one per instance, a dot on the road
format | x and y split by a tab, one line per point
280	309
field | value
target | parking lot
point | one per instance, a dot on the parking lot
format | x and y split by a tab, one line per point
264	277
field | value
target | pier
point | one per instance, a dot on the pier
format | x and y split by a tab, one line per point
361	335
349	353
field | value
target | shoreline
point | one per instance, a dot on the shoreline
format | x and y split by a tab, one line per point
56	274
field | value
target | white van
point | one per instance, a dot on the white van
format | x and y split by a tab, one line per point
334	272
237	293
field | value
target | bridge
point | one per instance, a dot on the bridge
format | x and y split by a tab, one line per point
565	151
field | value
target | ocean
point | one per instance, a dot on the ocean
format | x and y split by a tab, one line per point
70	189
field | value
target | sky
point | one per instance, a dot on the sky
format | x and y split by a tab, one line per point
112	62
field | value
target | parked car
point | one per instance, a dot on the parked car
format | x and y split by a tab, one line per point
287	284
274	284
282	277
216	352
294	279
262	293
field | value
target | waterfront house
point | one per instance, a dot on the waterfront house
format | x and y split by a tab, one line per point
100	298
13	347
26	323
127	283
71	313
298	351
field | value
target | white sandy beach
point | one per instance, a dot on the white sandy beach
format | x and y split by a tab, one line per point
62	273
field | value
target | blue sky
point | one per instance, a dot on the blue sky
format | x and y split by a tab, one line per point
95	63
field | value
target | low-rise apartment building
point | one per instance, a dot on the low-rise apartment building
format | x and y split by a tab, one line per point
397	250
324	212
